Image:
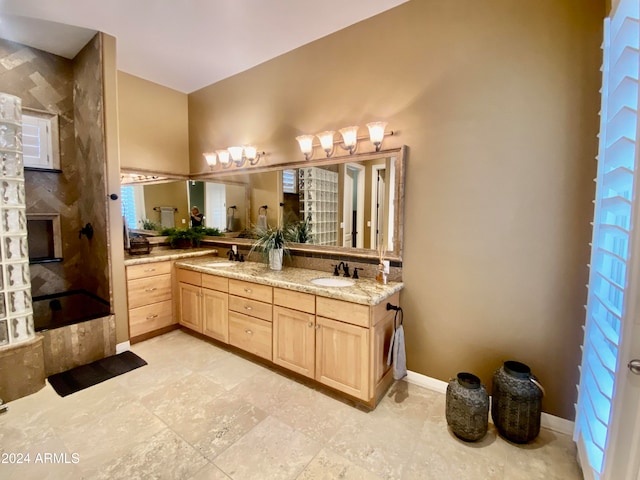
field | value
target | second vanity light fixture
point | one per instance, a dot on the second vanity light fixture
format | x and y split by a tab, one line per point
233	155
349	139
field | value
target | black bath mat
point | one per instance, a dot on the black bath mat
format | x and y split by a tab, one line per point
85	376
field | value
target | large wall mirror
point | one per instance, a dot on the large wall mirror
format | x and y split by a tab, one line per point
351	204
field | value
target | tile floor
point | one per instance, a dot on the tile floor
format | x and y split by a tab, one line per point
199	412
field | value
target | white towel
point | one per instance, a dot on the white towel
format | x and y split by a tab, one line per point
167	217
262	222
397	354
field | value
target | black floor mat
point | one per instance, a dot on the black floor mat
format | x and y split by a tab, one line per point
85	376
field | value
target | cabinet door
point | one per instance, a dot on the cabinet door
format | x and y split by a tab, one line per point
215	314
294	340
190	309
342	357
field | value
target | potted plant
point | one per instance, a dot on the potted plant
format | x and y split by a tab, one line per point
273	244
298	232
183	237
149	225
208	231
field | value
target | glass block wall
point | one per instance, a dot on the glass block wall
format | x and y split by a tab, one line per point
16	314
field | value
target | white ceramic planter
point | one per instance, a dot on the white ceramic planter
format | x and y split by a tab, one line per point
275	259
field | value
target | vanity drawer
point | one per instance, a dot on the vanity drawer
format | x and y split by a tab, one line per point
213	282
347	312
189	276
254	291
254	308
303	302
250	334
147	270
150	317
145	291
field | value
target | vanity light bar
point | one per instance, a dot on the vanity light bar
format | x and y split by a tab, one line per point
233	155
349	140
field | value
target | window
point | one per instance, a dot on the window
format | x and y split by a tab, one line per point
133	207
290	181
40	140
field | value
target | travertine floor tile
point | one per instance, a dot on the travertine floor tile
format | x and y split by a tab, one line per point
271	450
268	390
210	472
103	438
229	418
199	412
328	465
381	445
231	371
164	455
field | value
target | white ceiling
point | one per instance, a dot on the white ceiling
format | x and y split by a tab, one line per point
187	44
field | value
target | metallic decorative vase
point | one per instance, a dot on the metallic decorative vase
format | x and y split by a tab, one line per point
516	405
467	408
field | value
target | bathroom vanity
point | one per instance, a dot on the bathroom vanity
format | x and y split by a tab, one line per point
150	290
337	336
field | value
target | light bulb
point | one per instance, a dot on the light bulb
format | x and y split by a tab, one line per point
376	133
326	141
236	153
223	156
350	137
210	157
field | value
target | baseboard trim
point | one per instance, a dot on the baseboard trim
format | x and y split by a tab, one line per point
123	347
548	421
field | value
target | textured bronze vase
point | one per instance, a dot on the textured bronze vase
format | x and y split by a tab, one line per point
467	407
516	405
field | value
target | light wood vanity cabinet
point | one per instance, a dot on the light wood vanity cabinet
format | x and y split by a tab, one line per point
149	294
340	344
203	303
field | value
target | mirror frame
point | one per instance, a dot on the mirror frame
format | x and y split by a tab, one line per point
400	158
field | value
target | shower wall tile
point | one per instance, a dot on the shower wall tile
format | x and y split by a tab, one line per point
78	344
21	369
90	152
45	82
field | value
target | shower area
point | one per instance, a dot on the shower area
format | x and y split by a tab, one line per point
65	215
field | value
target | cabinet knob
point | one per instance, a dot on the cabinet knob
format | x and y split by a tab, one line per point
150	317
248	332
150	270
248	307
310	324
317	327
248	290
150	289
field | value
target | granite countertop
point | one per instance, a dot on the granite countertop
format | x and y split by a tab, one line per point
365	291
160	255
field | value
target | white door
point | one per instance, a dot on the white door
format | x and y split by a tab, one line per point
607	428
353	205
378	202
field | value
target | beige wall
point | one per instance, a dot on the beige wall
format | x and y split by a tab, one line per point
264	190
171	194
153	126
498	102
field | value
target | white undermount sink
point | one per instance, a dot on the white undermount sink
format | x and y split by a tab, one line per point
220	264
332	282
